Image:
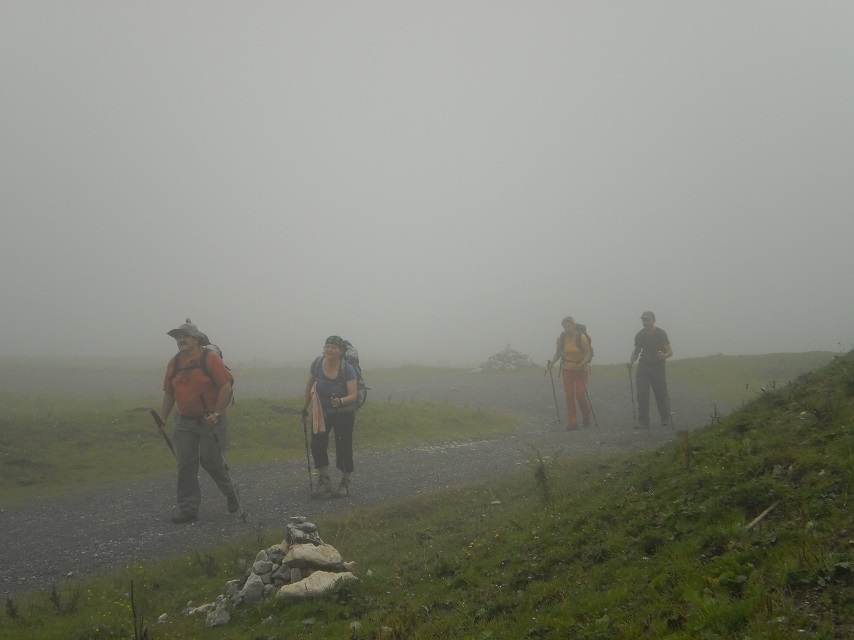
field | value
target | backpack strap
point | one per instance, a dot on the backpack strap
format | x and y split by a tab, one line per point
203	363
315	369
176	369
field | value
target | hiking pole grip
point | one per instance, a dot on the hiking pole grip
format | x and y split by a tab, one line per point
161	429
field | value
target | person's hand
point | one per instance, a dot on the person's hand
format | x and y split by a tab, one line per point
662	355
629	365
304	414
212	418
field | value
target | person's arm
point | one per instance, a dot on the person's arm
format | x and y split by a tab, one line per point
166	405
223	397
585	350
351	397
633	357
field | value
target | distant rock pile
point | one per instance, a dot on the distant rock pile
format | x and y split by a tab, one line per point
301	566
507	360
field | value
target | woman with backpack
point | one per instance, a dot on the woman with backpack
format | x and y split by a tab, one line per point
332	393
573	351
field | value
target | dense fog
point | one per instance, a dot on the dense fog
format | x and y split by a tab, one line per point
434	181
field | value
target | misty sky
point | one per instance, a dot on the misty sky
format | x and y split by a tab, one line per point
432	180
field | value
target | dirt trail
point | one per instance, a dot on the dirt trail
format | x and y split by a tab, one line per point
64	539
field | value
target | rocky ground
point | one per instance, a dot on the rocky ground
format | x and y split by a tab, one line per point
61	540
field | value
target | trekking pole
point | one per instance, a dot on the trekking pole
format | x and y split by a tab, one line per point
307	458
554	393
669	407
590	404
224	461
632	389
161	428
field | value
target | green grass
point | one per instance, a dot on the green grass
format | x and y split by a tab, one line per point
654	545
53	444
732	379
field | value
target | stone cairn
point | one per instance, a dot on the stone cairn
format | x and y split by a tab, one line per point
301	566
507	360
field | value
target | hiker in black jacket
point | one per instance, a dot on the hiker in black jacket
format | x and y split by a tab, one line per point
653	347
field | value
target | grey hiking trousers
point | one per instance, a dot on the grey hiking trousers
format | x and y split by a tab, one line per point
195	444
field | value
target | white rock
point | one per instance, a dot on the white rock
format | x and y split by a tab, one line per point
316	584
323	556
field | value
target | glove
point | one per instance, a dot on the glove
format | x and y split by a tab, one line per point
304	414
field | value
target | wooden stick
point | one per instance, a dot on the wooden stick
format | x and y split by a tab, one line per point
761	516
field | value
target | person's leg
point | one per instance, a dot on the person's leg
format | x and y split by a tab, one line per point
187	451
319	447
643	384
569	392
320	453
344	427
662	401
344	423
212	457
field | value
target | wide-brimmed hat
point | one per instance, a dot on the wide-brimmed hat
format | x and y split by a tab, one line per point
191	330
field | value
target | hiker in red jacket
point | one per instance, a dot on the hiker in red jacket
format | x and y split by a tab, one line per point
199	384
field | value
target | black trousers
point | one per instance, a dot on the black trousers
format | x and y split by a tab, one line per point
652	377
342	424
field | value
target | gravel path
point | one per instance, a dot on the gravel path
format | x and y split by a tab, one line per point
61	540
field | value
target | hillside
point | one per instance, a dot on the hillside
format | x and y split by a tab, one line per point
741	529
738	529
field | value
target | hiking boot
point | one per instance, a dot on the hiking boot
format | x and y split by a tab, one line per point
586	421
323	488
572	427
343	489
233	504
184	517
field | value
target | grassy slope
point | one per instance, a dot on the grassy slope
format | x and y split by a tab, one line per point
733	379
647	546
52	442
